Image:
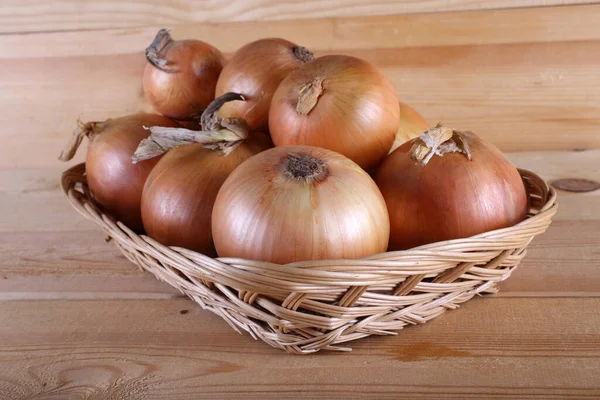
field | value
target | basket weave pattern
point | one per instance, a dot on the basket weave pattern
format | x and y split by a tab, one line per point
318	305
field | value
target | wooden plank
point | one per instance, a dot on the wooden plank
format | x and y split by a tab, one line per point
525	348
522	97
535	25
65	90
564	262
553	165
71	265
44	15
48	251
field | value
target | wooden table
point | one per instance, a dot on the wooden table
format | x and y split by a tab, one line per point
77	321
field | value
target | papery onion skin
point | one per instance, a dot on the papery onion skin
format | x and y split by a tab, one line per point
116	184
450	197
255	71
356	113
412	125
261	213
179	194
185	86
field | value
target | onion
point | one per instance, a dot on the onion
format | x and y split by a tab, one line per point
180	77
412	125
115	183
299	203
339	103
179	194
255	71
448	185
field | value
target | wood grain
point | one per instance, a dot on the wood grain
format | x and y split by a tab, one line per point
531	91
78	321
535	25
44	15
169	350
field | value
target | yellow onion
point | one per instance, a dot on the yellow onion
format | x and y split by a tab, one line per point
255	71
447	185
340	103
179	193
115	183
296	203
180	76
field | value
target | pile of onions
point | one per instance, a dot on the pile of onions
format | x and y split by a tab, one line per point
298	203
223	189
255	71
114	181
340	103
448	185
179	194
181	76
412	125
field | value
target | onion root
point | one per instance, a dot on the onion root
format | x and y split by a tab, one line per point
305	168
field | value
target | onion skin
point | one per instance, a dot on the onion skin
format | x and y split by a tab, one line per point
186	85
356	113
263	214
255	71
114	181
450	197
412	125
179	194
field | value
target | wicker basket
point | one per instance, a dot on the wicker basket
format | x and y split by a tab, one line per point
318	305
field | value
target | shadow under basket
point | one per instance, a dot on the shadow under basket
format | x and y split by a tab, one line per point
309	306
